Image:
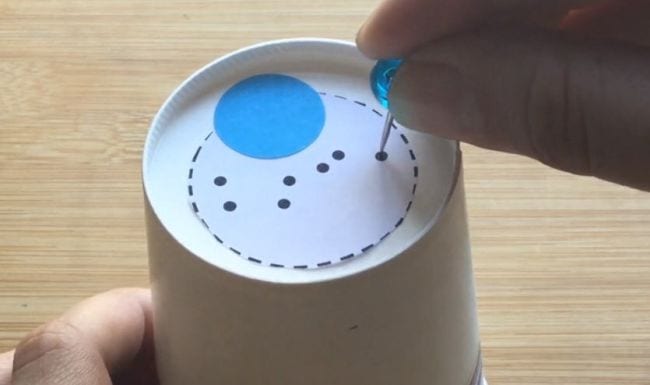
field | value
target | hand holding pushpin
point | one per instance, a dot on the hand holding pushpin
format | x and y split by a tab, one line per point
478	80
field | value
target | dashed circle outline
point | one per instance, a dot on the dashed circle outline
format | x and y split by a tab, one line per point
195	207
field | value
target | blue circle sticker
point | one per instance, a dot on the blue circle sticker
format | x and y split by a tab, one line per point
269	116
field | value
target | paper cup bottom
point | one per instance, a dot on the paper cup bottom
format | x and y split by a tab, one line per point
394	307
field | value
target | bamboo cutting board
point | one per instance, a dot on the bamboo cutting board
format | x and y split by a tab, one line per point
562	262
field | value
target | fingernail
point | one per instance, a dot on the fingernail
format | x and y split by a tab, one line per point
360	38
433	97
366	39
360	32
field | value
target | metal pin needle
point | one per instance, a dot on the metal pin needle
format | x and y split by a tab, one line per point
386	133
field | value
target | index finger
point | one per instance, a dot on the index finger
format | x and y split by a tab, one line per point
398	27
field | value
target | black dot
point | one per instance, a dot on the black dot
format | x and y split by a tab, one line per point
220	180
323	167
338	155
289	180
381	156
284	203
230	206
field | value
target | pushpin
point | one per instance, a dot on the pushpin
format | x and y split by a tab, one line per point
381	79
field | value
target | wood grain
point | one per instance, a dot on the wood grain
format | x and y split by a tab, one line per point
562	262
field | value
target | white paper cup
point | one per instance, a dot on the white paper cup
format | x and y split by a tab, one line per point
402	312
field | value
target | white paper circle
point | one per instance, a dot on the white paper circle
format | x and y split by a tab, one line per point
339	70
343	201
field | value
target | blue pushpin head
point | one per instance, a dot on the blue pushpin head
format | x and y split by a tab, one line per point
381	78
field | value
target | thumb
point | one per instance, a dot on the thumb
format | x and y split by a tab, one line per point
580	106
93	341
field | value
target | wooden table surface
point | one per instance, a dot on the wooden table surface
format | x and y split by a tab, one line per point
562	262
